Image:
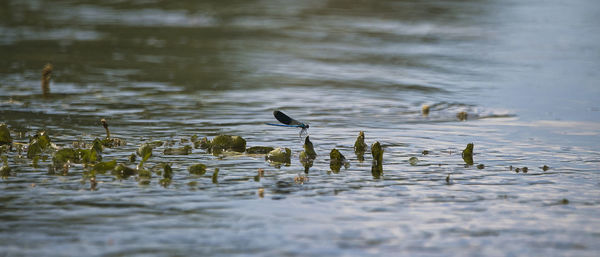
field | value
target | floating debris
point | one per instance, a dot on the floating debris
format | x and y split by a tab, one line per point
448	179
185	150
132	158
425	110
5	138
197	169
564	201
280	155
545	168
360	147
336	160
462	116
46	76
525	169
215	176
301	179
377	165
259	150
517	170
425	152
413	161
481	166
467	154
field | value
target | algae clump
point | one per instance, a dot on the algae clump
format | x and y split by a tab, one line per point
5	138
197	169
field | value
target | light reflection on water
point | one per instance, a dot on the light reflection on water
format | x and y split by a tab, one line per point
167	71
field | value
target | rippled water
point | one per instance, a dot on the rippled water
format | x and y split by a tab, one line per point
525	72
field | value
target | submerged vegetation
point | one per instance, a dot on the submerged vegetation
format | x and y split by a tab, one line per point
41	148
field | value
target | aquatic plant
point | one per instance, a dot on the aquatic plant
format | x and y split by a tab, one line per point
46	76
197	169
215	176
279	155
185	150
413	161
337	160
360	147
467	154
308	155
222	143
110	141
259	150
462	116
377	165
38	144
5	138
425	110
103	167
5	170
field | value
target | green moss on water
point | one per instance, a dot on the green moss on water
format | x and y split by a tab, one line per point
5	138
197	169
259	150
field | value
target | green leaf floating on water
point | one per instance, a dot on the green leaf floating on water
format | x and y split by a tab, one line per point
144	150
64	155
413	161
103	167
197	169
38	144
123	172
5	137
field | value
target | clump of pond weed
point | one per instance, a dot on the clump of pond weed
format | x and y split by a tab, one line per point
337	160
377	165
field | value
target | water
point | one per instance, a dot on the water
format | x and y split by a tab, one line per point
525	72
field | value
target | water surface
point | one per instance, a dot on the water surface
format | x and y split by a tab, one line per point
525	72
